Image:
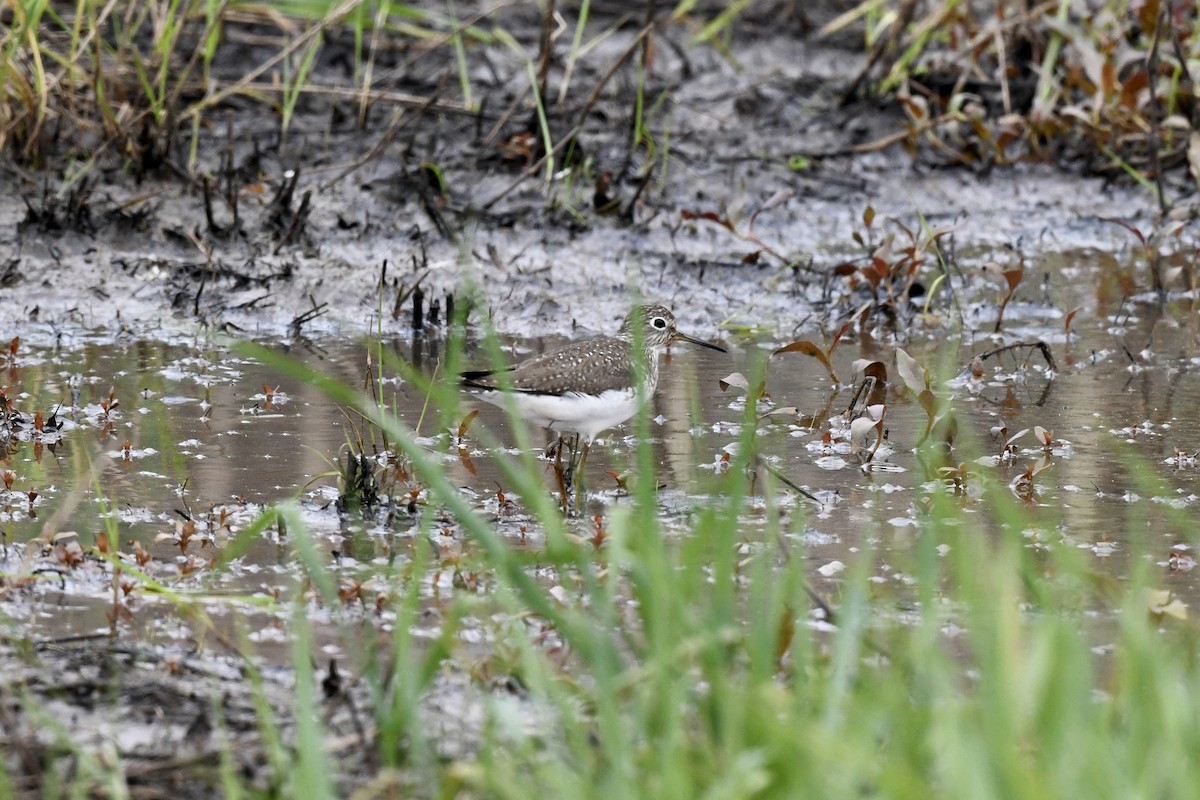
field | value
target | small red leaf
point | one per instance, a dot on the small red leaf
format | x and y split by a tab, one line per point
805	347
710	216
1014	276
465	425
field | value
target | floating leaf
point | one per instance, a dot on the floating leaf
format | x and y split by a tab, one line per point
912	373
805	347
783	411
1042	435
1009	442
736	380
860	429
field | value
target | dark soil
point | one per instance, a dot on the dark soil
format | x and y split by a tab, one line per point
329	225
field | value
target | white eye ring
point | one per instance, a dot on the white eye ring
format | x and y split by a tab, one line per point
660	323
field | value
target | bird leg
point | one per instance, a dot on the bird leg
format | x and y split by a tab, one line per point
580	495
574	476
570	478
559	476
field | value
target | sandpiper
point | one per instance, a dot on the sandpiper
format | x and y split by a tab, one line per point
586	387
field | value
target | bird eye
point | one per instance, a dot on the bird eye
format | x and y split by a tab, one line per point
660	323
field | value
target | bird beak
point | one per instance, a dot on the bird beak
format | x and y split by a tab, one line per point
684	337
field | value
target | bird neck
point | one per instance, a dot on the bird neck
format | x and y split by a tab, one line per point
647	357
649	361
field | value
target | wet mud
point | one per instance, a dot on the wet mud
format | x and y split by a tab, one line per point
750	194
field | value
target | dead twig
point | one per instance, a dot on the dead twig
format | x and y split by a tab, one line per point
788	482
1038	345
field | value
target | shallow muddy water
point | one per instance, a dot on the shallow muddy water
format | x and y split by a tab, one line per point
202	433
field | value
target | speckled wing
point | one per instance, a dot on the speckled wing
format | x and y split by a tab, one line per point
589	367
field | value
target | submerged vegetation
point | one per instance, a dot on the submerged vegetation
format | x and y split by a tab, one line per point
863	563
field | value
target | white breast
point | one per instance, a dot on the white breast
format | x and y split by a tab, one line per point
584	414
